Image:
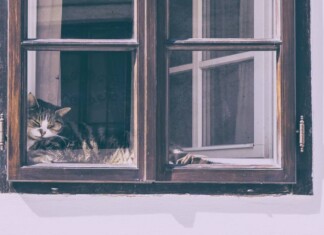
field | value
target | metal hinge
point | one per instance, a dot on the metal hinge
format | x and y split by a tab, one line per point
2	132
301	132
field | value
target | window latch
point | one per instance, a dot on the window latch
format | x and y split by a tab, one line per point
2	132
301	134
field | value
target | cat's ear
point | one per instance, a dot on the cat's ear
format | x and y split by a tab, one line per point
61	112
32	101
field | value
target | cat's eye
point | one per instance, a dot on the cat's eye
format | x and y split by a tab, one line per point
56	126
50	125
33	123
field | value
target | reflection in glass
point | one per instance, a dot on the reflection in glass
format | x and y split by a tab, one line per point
85	19
79	108
221	19
217	104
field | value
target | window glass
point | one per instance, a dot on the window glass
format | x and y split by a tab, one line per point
85	19
221	19
180	90
80	108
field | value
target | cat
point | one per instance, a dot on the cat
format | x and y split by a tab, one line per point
52	139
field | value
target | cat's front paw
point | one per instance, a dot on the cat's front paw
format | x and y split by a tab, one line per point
35	157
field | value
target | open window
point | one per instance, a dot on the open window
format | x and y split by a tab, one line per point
225	64
163	91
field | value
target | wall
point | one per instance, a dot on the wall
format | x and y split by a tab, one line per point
172	214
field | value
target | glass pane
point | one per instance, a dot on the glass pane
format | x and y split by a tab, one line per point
221	19
180	94
217	105
84	19
180	58
80	108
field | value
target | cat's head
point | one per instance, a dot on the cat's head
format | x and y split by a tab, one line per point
45	120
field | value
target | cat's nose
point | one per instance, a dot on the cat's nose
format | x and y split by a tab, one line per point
42	132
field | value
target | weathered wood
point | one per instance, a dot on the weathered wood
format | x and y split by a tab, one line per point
229	176
14	89
162	90
304	103
139	88
287	101
77	174
150	90
4	187
149	188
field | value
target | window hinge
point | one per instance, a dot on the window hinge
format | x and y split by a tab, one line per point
301	132
2	132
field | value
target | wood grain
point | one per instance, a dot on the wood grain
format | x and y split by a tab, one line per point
150	89
4	186
304	99
14	89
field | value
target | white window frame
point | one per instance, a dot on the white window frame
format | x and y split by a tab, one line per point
261	152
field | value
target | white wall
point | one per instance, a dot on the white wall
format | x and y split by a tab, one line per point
171	214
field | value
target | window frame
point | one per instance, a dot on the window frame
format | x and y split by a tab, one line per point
229	60
151	123
18	45
286	129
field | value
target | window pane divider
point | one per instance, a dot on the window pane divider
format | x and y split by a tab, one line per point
81	44
213	63
223	44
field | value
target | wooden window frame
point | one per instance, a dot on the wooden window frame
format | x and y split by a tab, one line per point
286	129
152	125
17	60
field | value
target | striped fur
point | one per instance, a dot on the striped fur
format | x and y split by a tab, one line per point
51	139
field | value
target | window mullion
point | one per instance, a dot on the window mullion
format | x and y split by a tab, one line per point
197	109
32	33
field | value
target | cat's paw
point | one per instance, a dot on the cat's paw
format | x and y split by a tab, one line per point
192	159
36	157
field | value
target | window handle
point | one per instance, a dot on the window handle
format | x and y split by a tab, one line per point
301	134
2	132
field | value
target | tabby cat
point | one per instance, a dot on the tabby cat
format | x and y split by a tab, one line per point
52	139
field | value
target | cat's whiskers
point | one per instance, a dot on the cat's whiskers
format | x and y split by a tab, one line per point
62	137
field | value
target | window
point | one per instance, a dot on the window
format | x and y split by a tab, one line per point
163	90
